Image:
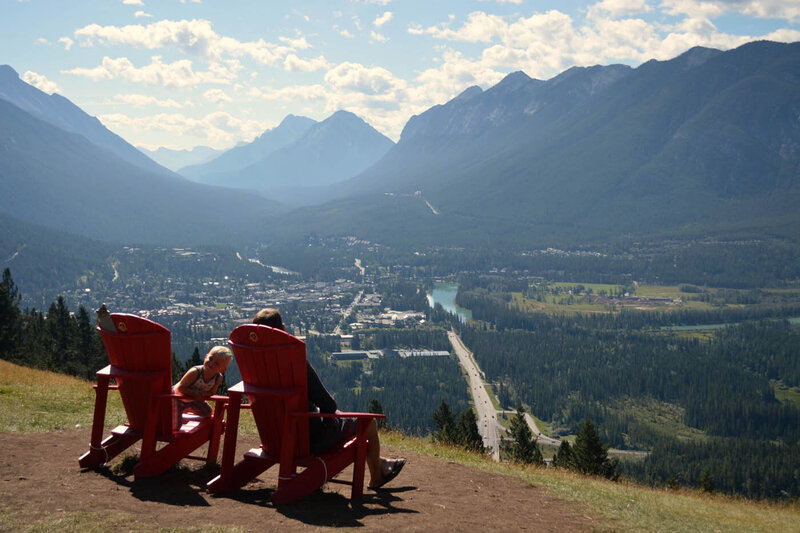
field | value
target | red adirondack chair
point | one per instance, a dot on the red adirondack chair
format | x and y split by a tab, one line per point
273	368
141	365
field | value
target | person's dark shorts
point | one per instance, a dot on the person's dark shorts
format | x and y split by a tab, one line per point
329	431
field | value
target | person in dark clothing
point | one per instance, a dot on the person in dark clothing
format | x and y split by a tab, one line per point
325	432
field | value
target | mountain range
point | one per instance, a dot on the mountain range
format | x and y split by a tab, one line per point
177	159
62	169
707	143
297	161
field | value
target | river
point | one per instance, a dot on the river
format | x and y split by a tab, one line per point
445	294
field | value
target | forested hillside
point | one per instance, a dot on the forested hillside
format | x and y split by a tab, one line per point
715	395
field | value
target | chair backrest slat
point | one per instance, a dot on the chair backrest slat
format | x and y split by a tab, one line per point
271	358
140	345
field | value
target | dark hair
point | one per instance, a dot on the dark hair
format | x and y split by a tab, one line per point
269	317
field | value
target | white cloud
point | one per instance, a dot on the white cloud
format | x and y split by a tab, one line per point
382	19
142	14
218	129
480	27
177	74
133	2
346	34
40	82
780	9
377	37
67	42
144	100
193	37
298	43
293	63
290	93
216	96
358	78
618	8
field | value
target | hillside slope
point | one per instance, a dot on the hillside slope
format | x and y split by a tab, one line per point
441	488
62	180
60	112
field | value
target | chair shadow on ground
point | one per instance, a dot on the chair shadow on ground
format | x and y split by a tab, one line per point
179	486
327	508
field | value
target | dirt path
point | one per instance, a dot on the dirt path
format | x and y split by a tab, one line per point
40	480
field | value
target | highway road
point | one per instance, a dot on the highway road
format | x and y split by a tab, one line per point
338	329
488	424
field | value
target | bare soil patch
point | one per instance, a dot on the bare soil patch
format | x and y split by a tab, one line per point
40	480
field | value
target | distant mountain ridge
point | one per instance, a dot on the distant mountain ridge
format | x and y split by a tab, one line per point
60	112
58	179
707	141
177	159
303	159
234	160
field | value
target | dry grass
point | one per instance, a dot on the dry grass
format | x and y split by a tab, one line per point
627	506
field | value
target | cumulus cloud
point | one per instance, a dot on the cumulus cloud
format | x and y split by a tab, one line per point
142	14
67	42
358	78
293	63
781	9
346	34
382	19
40	82
177	74
192	37
133	2
377	37
618	8
215	129
298	43
144	100
290	93
216	96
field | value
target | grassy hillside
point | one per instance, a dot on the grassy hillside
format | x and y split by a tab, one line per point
37	401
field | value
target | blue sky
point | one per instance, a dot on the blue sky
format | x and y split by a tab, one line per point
183	73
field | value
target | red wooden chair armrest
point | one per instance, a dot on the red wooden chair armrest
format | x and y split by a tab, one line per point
114	372
306	414
246	388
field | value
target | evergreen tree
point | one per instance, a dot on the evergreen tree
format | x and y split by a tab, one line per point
522	447
445	424
194	360
9	316
706	481
564	457
590	455
376	407
467	431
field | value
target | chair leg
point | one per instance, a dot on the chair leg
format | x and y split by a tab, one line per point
361	458
223	482
216	431
97	455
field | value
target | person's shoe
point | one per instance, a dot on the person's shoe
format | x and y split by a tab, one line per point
394	469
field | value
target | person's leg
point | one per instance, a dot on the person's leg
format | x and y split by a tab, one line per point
374	453
379	467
